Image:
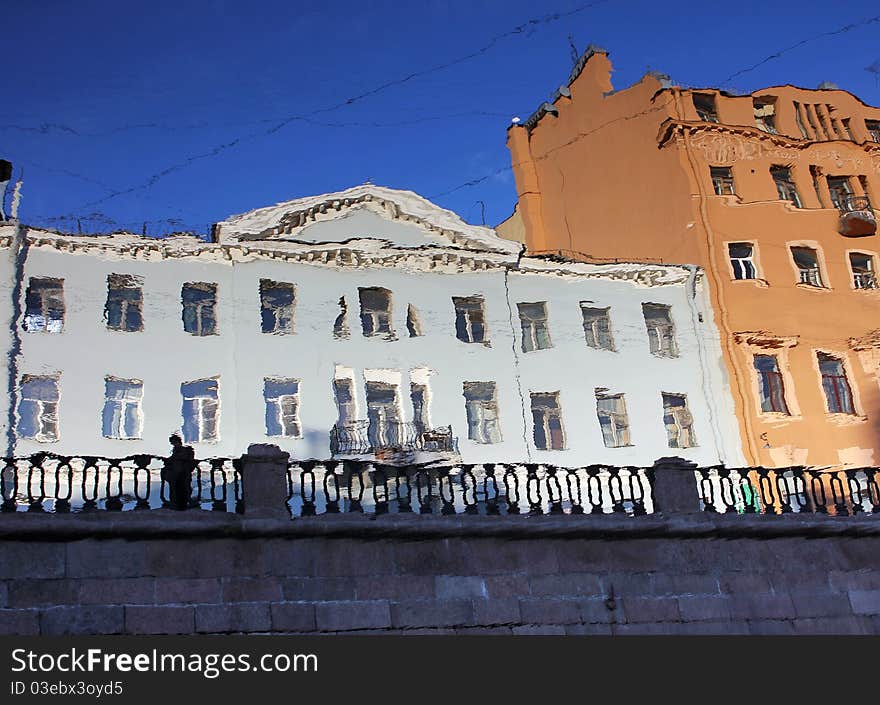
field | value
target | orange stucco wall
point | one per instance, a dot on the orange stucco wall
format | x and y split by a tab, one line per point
626	175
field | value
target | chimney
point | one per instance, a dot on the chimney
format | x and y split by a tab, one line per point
5	178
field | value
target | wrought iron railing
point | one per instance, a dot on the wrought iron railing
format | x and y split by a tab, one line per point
489	489
850	203
365	438
46	482
789	490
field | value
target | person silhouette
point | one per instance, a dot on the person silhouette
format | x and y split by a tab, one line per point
179	469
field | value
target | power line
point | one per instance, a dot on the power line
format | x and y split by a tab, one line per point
524	29
840	30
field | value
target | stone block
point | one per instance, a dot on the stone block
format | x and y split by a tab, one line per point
23	559
566	584
294	557
550	611
242	617
318	589
822	604
865	601
293	617
159	619
112	591
352	615
394	587
507	585
761	606
452	587
206	558
19	622
33	593
432	613
93	619
650	609
433	558
704	608
846	580
833	625
771	626
744	582
107	558
345	557
263	589
596	611
584	555
501	610
673	584
188	590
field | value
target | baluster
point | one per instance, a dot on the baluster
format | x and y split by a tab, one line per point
511	488
594	489
554	490
573	486
838	494
469	490
873	488
820	498
379	478
854	491
424	490
35	467
113	490
403	491
447	497
90	476
307	488
218	501
9	485
533	490
236	485
141	465
766	494
332	500
707	491
354	486
615	490
638	497
492	504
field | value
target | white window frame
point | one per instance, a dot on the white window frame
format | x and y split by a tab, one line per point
119	433
46	421
743	265
203	405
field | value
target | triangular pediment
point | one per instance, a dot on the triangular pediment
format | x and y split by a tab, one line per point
365	216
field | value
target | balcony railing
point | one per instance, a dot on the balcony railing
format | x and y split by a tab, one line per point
46	482
361	487
849	203
864	280
789	490
366	438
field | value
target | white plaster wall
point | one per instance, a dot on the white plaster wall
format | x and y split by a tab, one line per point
575	370
163	356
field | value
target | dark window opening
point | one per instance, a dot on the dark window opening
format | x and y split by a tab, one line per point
705	106
199	308
470	319
678	421
597	327
807	262
661	331
277	301
785	186
376	312
838	393
873	127
124	308
765	114
741	259
44	306
547	418
862	267
770	384
722	181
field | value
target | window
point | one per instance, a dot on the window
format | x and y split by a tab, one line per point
863	181
418	394
841	191
765	114
199	308
661	332
847	131
597	327
547	419
44	306
722	180
533	320
481	407
678	421
277	300
873	128
838	394
862	267
124	308
376	312
785	185
770	385
201	409
800	120
383	415
807	262
470	319
705	105
38	408
343	392
282	406
611	409
741	254
122	417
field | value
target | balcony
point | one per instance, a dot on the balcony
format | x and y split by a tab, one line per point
856	216
390	441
